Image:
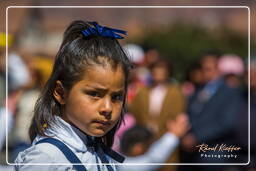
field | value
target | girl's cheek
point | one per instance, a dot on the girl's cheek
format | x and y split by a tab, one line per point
118	112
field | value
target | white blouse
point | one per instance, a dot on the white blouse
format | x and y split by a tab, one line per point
52	158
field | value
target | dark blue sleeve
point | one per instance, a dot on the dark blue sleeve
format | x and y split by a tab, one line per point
219	119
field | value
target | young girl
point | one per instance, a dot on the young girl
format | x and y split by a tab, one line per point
81	105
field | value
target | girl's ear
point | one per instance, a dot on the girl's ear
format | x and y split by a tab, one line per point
59	93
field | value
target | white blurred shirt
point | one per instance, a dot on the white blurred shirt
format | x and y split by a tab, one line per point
156	98
18	71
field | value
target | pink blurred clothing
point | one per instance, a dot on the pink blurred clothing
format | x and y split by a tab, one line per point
129	121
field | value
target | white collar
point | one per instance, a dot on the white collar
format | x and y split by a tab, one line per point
64	132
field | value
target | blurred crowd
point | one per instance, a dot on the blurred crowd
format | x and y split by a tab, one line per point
209	107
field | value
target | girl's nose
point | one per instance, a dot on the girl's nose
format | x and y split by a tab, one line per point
106	108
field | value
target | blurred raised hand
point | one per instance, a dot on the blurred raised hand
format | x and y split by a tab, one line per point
178	126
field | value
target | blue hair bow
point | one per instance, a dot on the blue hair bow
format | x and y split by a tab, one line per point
99	30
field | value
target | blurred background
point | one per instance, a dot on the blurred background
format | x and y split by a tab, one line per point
189	60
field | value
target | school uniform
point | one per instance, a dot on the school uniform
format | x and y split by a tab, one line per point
48	153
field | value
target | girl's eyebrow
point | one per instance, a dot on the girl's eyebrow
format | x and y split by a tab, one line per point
119	91
98	88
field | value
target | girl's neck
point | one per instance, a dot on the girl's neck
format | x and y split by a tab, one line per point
87	139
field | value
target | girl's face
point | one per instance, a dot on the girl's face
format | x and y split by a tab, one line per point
94	103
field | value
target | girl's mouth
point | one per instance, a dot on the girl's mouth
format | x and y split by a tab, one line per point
102	122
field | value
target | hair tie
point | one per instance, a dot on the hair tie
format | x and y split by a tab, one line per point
99	30
45	125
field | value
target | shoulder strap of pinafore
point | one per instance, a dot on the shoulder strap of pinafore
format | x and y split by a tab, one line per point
66	151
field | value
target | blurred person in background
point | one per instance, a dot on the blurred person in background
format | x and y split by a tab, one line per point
138	144
194	80
139	74
231	67
2	64
212	112
6	115
136	140
39	67
153	105
129	121
18	78
152	55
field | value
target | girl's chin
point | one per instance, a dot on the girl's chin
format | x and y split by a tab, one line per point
97	133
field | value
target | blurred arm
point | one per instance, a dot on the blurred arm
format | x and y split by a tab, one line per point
159	152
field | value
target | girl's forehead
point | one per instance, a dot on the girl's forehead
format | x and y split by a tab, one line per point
108	67
104	76
102	61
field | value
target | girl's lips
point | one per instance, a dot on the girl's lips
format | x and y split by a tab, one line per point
106	123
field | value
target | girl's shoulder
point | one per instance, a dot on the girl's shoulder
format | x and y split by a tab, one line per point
41	153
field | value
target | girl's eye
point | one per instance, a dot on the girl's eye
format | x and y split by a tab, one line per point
93	94
118	97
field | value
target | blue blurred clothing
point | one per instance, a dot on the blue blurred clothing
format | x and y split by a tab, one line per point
48	153
213	111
